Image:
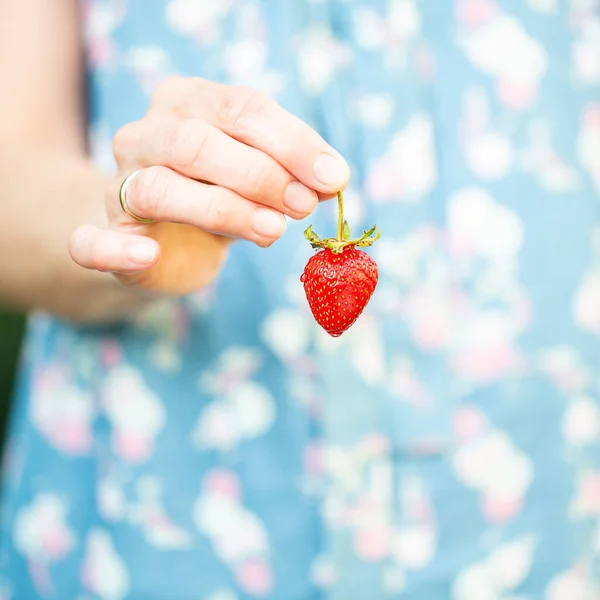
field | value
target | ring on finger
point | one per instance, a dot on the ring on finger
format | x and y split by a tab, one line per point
123	199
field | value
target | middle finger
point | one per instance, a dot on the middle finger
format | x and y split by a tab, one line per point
198	150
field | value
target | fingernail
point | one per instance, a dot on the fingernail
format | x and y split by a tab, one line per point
142	254
300	199
268	223
331	171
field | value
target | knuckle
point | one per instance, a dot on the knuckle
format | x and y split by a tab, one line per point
148	192
125	140
259	174
240	103
185	142
217	211
168	89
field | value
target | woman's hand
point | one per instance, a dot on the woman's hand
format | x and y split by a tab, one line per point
216	163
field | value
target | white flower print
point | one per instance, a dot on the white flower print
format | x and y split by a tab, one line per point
374	110
136	413
222	595
581	422
503	49
43	537
246	61
544	6
61	411
41	532
586	49
239	538
101	20
586	302
565	367
586	499
488	153
479	225
407	171
541	159
287	332
104	571
502	473
199	20
320	55
574	584
149	64
498	575
588	143
149	513
390	33
243	409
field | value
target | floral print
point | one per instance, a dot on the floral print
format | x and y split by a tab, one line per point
222	447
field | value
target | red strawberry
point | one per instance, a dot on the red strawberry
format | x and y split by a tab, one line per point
339	280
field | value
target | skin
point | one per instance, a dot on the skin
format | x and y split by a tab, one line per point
217	163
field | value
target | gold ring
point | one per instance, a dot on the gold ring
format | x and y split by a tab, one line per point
123	200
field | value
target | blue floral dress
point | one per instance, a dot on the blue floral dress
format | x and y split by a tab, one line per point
223	447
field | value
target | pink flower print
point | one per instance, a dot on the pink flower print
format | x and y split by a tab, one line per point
469	422
372	544
313	460
255	577
223	483
376	445
501	510
101	19
110	352
472	13
517	95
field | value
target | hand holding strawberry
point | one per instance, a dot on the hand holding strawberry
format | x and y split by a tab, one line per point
340	279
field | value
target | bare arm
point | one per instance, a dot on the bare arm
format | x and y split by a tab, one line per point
213	163
47	185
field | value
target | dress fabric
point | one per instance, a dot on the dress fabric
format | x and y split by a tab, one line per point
447	447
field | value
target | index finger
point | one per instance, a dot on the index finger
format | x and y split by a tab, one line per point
258	121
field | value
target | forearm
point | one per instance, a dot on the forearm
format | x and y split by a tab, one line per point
45	195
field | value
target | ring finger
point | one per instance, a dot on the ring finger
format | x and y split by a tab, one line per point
161	194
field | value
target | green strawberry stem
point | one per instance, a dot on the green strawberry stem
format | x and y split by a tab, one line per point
342	241
340	229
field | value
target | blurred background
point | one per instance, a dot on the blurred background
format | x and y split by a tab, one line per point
11	331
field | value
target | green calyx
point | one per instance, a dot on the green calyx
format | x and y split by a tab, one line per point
342	241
